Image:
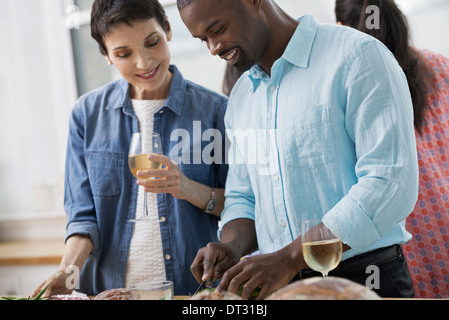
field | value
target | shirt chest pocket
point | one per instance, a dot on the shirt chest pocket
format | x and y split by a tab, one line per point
105	173
309	139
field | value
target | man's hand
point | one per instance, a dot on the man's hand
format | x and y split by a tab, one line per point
213	260
267	272
238	238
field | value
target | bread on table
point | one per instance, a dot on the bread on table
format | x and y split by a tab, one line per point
328	288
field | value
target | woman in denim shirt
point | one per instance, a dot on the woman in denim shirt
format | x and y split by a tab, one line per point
101	195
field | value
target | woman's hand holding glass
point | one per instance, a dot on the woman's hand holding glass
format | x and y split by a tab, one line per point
168	179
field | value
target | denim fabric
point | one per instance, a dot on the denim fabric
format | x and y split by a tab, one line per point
101	193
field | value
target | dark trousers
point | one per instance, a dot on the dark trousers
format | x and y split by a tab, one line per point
388	272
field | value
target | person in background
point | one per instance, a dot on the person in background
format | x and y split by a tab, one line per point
230	78
427	74
101	195
338	138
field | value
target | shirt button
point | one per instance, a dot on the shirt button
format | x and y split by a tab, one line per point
283	224
270	132
167	257
163	219
161	112
272	88
275	178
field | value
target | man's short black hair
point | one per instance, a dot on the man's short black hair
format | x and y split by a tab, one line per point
183	3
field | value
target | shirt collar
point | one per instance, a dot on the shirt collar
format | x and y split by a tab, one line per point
174	99
298	50
177	90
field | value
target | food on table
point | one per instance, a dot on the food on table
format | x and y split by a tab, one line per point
324	288
215	295
36	297
68	297
114	294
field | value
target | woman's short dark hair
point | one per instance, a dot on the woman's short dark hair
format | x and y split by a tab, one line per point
107	14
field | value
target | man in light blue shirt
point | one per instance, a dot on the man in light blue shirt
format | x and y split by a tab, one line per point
328	114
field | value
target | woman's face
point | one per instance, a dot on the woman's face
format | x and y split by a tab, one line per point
140	53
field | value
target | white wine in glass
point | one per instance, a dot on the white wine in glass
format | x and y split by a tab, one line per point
138	160
321	248
141	162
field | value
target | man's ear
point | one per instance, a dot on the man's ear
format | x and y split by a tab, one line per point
255	3
252	5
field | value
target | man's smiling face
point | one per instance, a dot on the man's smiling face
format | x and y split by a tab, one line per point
232	29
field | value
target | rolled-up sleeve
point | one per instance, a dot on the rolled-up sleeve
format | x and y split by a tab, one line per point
78	199
379	120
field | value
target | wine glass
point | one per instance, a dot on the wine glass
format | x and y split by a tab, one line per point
321	248
155	290
138	160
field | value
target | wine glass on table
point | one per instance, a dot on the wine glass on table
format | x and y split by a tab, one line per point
321	247
138	160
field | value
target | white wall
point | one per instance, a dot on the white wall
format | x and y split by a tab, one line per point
37	88
36	93
429	24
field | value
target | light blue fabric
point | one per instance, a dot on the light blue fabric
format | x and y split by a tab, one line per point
336	114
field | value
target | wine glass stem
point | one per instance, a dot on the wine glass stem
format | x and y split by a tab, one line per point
324	274
146	215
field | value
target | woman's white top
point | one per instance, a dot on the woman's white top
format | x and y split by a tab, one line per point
145	260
